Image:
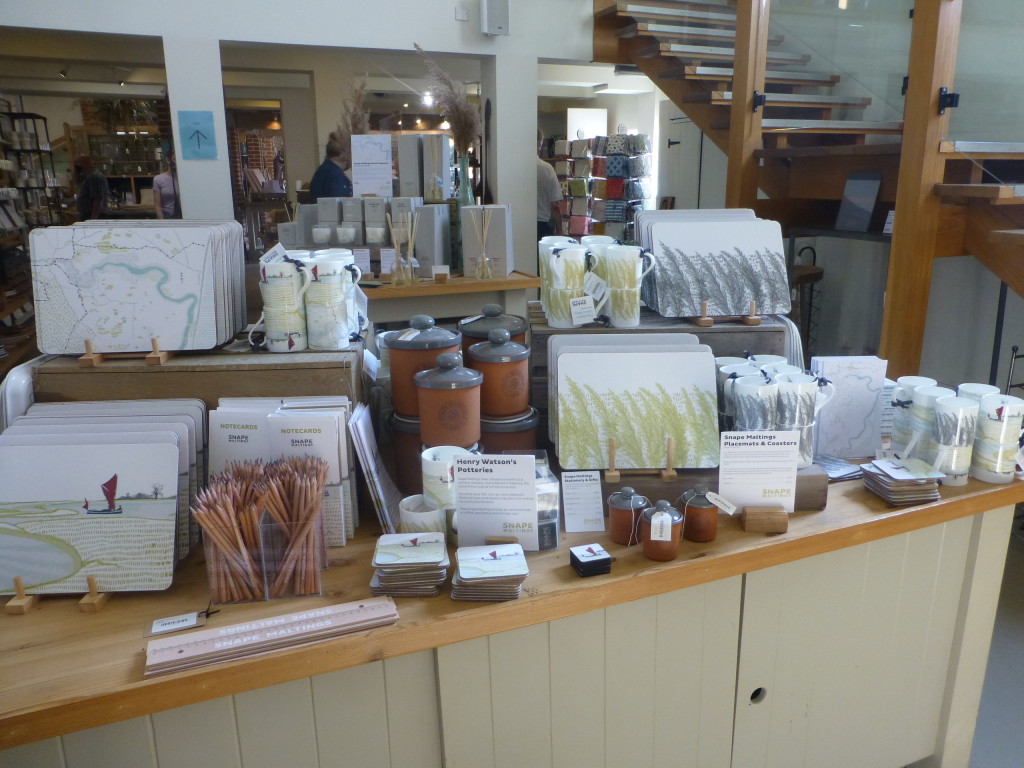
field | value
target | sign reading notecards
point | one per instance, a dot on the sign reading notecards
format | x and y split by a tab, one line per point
497	496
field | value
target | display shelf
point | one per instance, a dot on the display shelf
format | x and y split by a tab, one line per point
458	297
66	671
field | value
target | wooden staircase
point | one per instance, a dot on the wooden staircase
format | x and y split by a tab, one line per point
808	141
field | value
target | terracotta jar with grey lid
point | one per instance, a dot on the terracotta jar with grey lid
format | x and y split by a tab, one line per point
505	366
514	433
411	351
449	403
476	329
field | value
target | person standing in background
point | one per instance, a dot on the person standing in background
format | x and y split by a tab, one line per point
93	190
549	195
166	195
330	179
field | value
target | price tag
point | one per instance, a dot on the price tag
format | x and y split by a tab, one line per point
661	526
275	255
582	310
177	623
889	221
387	260
362	258
723	504
444	269
370	364
595	287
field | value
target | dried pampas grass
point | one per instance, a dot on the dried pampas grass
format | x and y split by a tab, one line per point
453	102
354	120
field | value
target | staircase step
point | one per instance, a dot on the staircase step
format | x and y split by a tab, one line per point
997	194
692	12
832	127
711	53
781	77
984	150
799	100
679	32
1011	236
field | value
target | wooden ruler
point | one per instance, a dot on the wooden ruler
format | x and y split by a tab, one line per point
208	646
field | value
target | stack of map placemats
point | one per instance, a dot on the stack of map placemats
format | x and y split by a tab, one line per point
902	481
492	573
209	646
120	285
410	564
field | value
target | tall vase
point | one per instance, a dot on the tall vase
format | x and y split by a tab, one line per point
465	194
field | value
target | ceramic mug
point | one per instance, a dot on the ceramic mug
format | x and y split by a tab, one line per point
956	420
438	467
922	422
590	240
346	234
775	369
282	288
1000	419
544	247
567	267
321	234
802	397
805	441
760	360
732	371
755	401
976	391
417	514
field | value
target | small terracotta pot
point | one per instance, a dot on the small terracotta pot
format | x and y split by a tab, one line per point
414	350
449	403
505	366
661	549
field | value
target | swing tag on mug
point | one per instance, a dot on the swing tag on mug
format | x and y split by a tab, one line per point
582	310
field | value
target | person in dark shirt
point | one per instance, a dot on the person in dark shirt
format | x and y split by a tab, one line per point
92	189
330	179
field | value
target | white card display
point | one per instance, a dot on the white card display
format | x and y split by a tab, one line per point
582	502
759	468
371	165
496	496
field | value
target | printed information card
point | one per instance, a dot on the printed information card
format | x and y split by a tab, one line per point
582	502
759	468
497	496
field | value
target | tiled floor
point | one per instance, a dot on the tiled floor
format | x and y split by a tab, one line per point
999	737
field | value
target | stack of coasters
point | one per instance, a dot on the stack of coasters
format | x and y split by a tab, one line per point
410	564
491	573
590	560
902	481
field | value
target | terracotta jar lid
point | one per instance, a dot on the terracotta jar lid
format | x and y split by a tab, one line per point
449	374
498	348
627	498
479	326
663	506
423	335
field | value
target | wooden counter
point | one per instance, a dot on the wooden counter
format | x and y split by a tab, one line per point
459	297
63	671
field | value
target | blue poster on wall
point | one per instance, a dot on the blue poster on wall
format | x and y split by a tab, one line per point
195	129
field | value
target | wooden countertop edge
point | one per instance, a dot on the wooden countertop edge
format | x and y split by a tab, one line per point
515	281
157	694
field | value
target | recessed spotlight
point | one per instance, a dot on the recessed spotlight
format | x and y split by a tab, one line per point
121	83
63	74
405	106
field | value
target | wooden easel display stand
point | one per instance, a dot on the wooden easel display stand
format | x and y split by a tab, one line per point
667	473
22	603
94	359
705	321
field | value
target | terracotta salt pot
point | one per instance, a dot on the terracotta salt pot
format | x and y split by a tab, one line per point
411	351
408	447
661	531
625	508
476	329
449	403
515	433
505	366
701	515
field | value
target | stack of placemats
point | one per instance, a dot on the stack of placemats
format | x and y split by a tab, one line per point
492	573
640	390
98	490
121	284
727	258
410	564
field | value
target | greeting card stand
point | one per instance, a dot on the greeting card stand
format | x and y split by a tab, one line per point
667	473
21	603
94	600
705	321
94	359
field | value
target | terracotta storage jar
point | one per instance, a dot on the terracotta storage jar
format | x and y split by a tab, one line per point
661	540
408	448
625	507
476	329
411	351
506	369
449	403
518	433
701	516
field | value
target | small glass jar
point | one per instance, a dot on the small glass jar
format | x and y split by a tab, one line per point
660	530
624	510
701	516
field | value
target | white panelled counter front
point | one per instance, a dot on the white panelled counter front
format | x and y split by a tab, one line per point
859	638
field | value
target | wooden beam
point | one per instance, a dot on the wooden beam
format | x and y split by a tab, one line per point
1003	256
933	47
744	123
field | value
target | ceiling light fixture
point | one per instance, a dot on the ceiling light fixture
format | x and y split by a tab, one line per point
428	99
445	126
63	74
275	122
121	83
